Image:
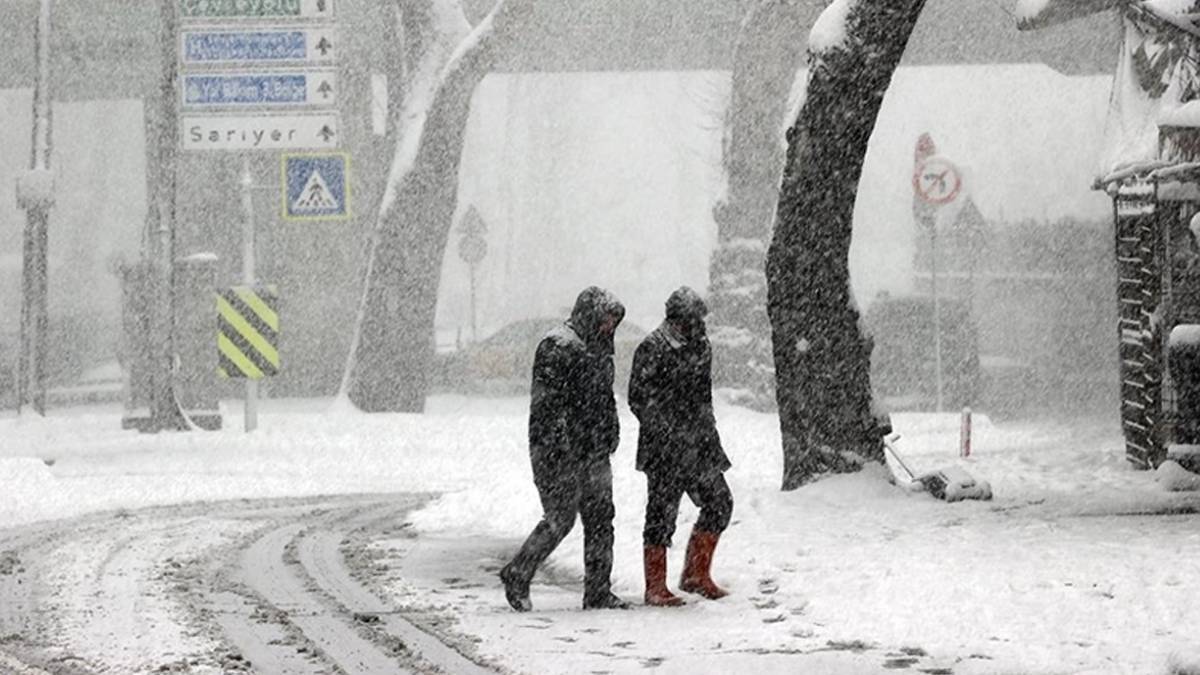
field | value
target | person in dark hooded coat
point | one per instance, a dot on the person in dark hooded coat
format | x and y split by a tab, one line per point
670	392
573	428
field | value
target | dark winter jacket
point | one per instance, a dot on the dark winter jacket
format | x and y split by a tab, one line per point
670	392
572	413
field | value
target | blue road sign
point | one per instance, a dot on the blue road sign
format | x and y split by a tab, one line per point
315	187
203	90
260	46
256	46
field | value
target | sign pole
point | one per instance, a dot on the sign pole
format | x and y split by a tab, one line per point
937	314
936	182
472	249
35	192
248	274
276	89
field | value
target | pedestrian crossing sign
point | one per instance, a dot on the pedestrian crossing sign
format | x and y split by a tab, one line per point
316	186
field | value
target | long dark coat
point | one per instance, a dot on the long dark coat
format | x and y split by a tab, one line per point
572	412
670	392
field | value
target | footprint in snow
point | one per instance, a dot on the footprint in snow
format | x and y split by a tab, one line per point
764	603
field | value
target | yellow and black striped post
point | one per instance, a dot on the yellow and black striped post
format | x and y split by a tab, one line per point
248	332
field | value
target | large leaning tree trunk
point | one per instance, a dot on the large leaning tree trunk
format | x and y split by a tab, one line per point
392	351
765	62
822	357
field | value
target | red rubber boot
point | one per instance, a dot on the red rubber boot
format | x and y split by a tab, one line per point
654	559
697	570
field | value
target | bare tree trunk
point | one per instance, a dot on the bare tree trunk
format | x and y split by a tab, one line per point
822	358
765	62
393	346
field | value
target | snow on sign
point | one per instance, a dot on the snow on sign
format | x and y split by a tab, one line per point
298	88
252	47
937	181
315	186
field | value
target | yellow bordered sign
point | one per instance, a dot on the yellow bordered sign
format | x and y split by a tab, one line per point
316	186
248	332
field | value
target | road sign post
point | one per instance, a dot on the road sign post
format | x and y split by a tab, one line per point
257	75
936	183
472	249
248	278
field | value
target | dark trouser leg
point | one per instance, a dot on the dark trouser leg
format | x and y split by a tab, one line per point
559	496
662	508
597	512
711	493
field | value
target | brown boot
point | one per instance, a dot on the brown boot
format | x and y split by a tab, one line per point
654	560
697	570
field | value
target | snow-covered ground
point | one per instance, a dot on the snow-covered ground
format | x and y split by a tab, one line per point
1079	564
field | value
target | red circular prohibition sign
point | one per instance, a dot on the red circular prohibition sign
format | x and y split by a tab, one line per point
937	181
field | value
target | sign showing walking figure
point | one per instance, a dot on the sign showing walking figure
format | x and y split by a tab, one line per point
315	187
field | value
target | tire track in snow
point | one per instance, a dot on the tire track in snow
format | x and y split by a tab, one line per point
263	637
240	586
320	555
123	602
263	569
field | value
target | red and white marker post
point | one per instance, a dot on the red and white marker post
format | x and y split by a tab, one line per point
964	434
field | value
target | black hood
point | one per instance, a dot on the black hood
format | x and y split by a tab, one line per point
686	305
685	313
591	307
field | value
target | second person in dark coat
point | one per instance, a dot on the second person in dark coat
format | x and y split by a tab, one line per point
670	392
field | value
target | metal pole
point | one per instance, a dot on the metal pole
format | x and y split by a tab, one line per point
937	314
37	198
248	274
474	334
164	412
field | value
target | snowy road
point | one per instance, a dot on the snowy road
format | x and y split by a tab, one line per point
245	586
226	552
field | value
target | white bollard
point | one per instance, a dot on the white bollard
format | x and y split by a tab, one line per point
964	435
